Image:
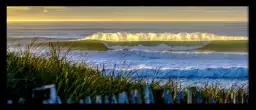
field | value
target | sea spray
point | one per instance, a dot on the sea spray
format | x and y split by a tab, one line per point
196	36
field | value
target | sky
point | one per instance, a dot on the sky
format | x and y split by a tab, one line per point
125	13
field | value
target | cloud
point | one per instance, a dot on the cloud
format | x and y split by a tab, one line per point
34	9
18	8
55	7
124	13
220	11
208	11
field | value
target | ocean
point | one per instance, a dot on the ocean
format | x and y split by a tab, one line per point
189	67
83	29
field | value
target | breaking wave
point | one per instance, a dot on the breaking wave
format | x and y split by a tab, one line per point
164	64
196	36
172	64
161	38
216	73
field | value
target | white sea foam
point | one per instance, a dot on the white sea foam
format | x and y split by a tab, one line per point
196	36
169	64
181	64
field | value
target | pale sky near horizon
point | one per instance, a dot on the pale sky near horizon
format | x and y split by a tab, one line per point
125	13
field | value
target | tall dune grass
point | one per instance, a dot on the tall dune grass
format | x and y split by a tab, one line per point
26	71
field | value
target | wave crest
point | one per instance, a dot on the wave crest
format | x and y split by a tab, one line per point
196	36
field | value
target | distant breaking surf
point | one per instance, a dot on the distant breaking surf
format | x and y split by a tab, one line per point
196	36
107	38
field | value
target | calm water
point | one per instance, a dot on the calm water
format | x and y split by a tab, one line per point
83	29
